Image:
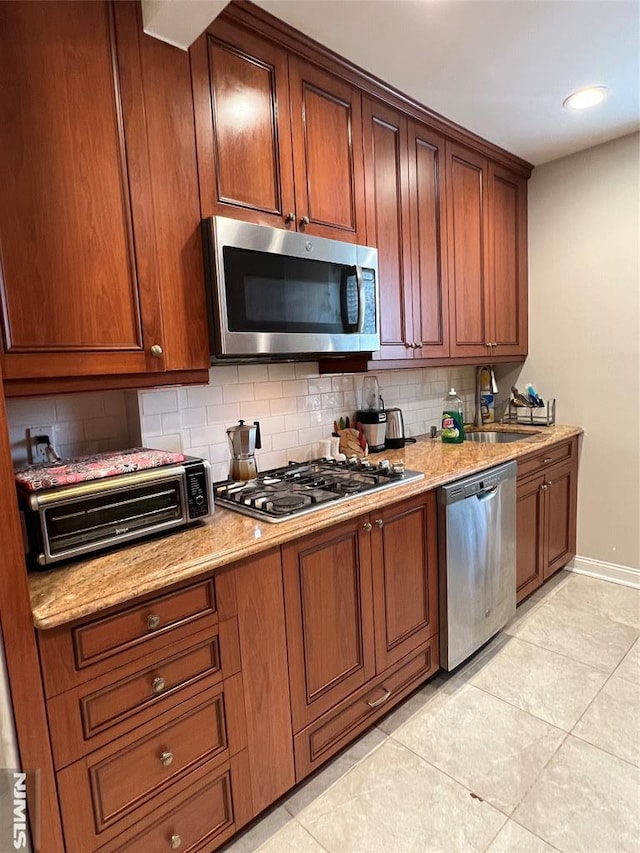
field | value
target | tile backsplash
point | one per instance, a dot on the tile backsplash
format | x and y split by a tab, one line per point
295	405
296	408
83	423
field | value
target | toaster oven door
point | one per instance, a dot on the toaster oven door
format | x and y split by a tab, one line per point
78	525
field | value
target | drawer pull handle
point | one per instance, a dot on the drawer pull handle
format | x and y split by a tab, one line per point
176	841
546	461
158	685
153	622
166	758
382	700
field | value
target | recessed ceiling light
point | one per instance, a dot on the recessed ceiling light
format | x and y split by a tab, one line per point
585	98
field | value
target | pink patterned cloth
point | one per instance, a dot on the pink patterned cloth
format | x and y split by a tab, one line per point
33	478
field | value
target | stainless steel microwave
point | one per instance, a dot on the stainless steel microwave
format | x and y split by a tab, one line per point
277	293
78	519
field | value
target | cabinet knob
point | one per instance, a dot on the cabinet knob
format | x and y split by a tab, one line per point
290	217
408	345
175	842
544	486
367	527
379	522
158	684
166	758
156	351
153	622
419	344
304	220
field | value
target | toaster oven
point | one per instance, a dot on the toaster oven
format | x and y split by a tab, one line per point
72	520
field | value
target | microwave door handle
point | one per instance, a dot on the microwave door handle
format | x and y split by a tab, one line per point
360	284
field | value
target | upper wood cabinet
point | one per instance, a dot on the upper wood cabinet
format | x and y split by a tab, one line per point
405	220
487	257
508	291
279	140
243	129
101	257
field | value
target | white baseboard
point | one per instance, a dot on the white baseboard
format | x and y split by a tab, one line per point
625	575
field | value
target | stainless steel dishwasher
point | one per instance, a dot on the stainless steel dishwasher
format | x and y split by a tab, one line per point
477	560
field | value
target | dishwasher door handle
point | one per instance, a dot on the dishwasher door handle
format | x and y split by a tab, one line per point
488	494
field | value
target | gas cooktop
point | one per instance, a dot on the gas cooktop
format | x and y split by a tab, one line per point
303	487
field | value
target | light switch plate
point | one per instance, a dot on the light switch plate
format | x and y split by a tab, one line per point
36	450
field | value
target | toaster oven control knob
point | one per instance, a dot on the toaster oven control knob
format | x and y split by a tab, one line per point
199	499
158	685
156	351
176	841
166	758
153	621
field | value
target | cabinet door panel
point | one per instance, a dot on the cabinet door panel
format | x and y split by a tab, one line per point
241	97
385	146
428	224
404	554
327	581
327	149
69	278
508	232
529	537
561	495
467	251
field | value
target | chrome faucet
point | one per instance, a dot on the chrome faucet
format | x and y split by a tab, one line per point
480	381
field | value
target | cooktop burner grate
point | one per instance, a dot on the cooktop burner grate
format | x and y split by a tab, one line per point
304	487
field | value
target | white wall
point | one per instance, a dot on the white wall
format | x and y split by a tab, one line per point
584	228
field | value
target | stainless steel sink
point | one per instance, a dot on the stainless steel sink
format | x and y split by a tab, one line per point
489	437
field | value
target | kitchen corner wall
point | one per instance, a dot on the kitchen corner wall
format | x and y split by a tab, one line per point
296	407
584	285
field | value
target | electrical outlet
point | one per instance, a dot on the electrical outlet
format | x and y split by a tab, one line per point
36	449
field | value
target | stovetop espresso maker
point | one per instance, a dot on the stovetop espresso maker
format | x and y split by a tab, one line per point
244	440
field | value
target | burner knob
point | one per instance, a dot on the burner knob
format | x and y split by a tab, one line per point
367	527
385	464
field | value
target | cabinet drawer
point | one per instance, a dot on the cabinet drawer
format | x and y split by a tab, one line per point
549	456
73	655
104	637
319	741
95	713
109	790
207	813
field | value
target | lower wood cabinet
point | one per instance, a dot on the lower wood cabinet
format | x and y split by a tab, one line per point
547	493
360	599
158	709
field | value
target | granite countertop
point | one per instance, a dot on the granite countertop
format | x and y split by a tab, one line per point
80	589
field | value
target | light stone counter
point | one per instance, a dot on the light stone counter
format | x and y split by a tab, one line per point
77	590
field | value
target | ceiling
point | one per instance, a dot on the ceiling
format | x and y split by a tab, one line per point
500	68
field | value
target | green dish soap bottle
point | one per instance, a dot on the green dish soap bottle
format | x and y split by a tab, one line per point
452	419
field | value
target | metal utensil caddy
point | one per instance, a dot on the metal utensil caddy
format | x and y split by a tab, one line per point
531	415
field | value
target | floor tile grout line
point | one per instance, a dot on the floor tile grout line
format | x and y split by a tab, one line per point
535	834
555	651
449	776
574	660
311	835
343	776
607	751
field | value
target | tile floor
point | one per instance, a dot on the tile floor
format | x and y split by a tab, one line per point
532	746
